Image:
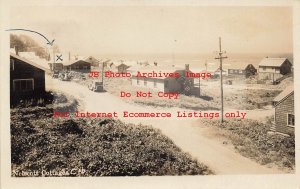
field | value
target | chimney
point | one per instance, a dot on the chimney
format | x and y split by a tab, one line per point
17	50
187	67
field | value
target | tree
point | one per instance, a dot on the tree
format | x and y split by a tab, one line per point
24	43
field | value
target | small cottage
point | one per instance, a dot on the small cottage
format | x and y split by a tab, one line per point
250	70
122	66
274	68
181	84
239	70
27	79
94	61
284	120
77	66
217	72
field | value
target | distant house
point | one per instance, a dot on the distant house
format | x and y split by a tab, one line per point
236	71
27	79
224	72
77	66
122	66
284	120
274	68
247	71
56	66
181	84
250	70
94	61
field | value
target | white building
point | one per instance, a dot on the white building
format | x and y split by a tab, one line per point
274	68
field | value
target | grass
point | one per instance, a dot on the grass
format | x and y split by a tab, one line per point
251	139
101	147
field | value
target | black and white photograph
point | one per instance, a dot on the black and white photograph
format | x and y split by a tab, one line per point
149	91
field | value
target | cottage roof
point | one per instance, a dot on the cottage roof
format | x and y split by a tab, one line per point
34	58
284	94
73	62
90	59
164	69
272	62
126	63
29	62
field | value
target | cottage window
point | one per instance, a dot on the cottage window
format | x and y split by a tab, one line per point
12	64
291	120
166	84
23	85
85	67
145	82
155	84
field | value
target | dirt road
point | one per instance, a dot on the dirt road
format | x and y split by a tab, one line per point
222	159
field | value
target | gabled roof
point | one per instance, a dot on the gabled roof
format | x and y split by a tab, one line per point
126	63
272	62
29	62
284	94
34	58
163	69
90	58
73	62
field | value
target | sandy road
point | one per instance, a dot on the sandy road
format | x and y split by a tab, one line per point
185	132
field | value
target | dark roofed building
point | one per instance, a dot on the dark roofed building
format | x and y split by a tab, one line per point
27	79
247	71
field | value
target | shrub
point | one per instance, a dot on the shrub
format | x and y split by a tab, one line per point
102	147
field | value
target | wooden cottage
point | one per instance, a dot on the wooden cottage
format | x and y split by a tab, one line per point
284	120
236	72
250	70
274	68
247	71
182	84
122	66
77	66
94	61
27	79
218	71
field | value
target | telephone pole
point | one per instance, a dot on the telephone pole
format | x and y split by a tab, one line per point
221	57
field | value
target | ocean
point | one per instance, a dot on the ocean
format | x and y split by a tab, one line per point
198	61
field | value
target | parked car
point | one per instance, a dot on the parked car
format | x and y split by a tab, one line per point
64	76
55	74
96	86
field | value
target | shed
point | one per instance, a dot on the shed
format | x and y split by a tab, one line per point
284	120
27	79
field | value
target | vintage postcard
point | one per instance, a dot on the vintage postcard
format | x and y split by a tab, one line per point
145	94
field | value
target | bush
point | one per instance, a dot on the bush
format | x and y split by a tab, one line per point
251	139
102	147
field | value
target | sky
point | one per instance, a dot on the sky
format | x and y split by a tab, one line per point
159	29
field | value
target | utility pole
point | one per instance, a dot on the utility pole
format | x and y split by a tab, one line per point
102	74
206	68
221	57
